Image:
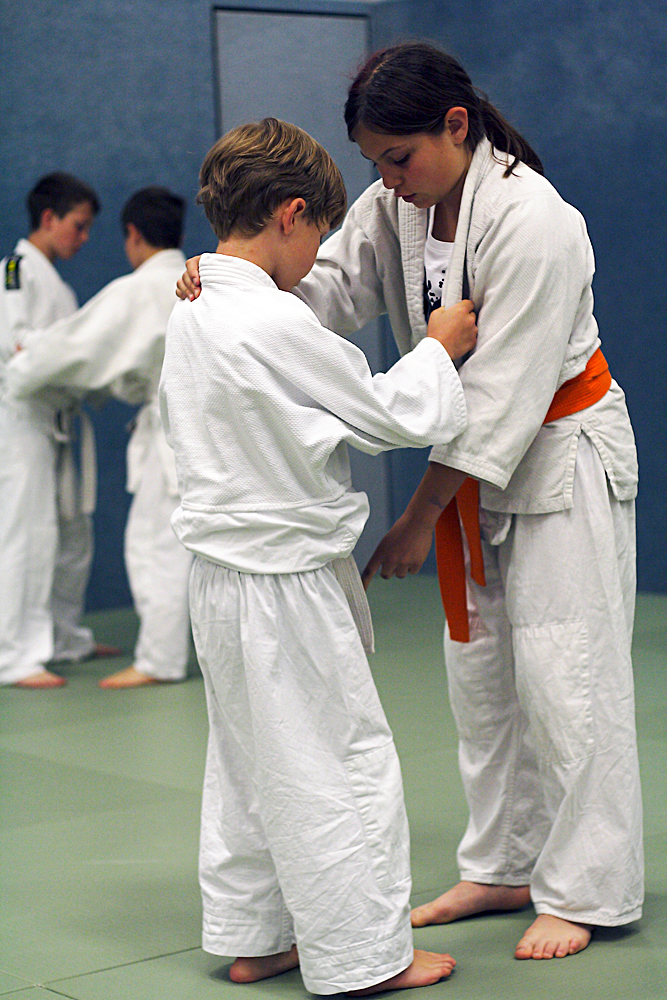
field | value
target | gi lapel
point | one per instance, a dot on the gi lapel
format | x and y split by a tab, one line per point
412	223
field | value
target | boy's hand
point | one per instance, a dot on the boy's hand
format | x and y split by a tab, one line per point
455	328
188	285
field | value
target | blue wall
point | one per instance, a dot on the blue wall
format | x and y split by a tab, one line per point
121	93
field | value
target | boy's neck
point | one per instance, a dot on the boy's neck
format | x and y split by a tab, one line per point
40	239
257	249
142	254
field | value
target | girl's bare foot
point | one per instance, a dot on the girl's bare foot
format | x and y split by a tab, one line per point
552	937
41	680
426	968
468	898
128	678
251	970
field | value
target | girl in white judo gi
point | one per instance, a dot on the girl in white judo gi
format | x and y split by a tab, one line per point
304	842
543	691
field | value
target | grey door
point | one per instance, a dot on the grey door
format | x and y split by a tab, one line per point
297	66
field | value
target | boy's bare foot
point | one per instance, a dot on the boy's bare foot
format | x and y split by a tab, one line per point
552	937
128	678
42	679
251	970
468	898
425	969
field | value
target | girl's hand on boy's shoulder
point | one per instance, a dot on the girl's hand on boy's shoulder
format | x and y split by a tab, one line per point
188	285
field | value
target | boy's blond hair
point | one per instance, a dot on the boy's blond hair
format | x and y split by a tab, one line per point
255	168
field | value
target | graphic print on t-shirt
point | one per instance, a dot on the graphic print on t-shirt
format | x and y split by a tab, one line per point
437	255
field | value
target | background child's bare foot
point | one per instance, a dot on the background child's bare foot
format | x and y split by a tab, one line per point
551	937
426	969
468	898
42	679
128	678
250	970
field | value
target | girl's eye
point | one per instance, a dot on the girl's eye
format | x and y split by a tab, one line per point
402	161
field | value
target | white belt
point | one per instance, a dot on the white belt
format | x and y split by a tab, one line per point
76	493
349	578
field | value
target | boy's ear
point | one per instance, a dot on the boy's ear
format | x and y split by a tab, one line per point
131	232
289	212
46	219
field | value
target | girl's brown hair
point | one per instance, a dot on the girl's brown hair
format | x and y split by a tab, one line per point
254	168
410	87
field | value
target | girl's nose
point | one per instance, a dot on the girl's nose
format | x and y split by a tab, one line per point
390	178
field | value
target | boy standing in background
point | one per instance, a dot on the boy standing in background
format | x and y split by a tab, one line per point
45	527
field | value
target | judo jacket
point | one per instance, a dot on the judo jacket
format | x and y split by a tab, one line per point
528	267
32	296
260	402
115	343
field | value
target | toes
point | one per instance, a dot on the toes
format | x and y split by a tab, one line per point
524	949
574	946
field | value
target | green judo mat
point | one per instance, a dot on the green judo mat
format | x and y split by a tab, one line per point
100	794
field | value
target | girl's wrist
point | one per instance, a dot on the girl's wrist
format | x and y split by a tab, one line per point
423	512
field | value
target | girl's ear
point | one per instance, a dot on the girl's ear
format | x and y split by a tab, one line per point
289	212
456	123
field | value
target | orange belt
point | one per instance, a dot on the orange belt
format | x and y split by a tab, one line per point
463	510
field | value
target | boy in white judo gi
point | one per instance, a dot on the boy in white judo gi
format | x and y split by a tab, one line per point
116	343
45	529
304	842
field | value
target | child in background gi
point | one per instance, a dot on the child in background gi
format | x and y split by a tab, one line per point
115	343
45	548
304	840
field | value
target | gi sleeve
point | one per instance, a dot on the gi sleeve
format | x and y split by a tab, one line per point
530	271
17	294
344	288
111	336
417	402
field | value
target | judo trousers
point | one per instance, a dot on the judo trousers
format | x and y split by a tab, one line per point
28	544
158	569
304	835
44	559
544	704
72	640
